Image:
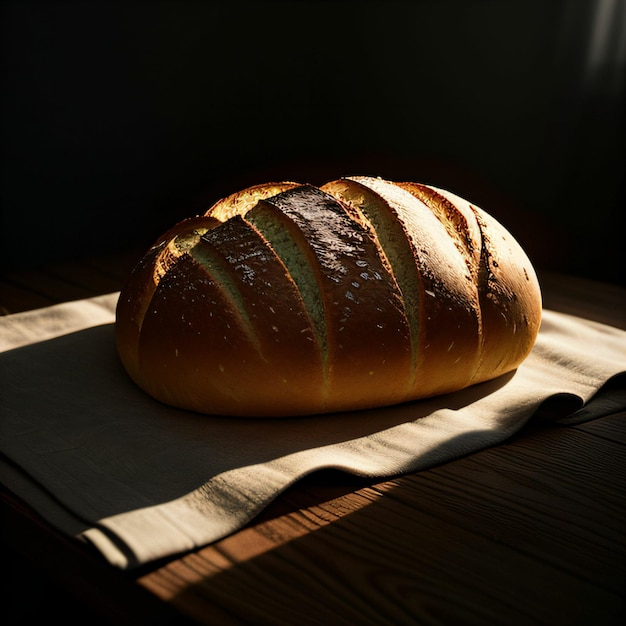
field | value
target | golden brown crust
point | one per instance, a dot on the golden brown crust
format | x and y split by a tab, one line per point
240	202
362	306
508	291
510	298
447	302
287	299
201	350
135	299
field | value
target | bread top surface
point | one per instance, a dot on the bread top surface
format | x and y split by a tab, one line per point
289	299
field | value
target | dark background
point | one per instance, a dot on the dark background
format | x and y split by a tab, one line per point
120	118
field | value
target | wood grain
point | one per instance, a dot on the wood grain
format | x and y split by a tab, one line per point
26	289
612	429
527	532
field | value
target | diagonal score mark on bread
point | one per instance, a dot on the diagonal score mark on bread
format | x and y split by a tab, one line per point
509	295
245	263
383	219
281	234
465	234
208	252
146	275
441	297
341	273
276	233
329	255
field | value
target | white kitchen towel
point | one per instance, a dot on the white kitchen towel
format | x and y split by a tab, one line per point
102	461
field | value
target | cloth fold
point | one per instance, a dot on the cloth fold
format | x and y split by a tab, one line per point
102	461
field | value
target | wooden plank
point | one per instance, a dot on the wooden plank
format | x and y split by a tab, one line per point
387	563
611	428
84	275
47	285
528	532
548	498
23	290
16	298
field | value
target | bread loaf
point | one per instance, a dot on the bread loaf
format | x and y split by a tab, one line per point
289	299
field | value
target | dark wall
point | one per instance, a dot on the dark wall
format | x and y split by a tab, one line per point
121	118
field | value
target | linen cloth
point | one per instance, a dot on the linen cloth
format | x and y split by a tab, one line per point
100	460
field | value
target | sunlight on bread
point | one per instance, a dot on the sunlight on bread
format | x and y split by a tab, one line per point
287	299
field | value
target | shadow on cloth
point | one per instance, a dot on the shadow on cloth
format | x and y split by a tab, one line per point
69	402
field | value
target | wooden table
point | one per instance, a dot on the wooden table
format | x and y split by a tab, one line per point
528	532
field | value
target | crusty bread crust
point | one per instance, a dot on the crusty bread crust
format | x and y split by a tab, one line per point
287	299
